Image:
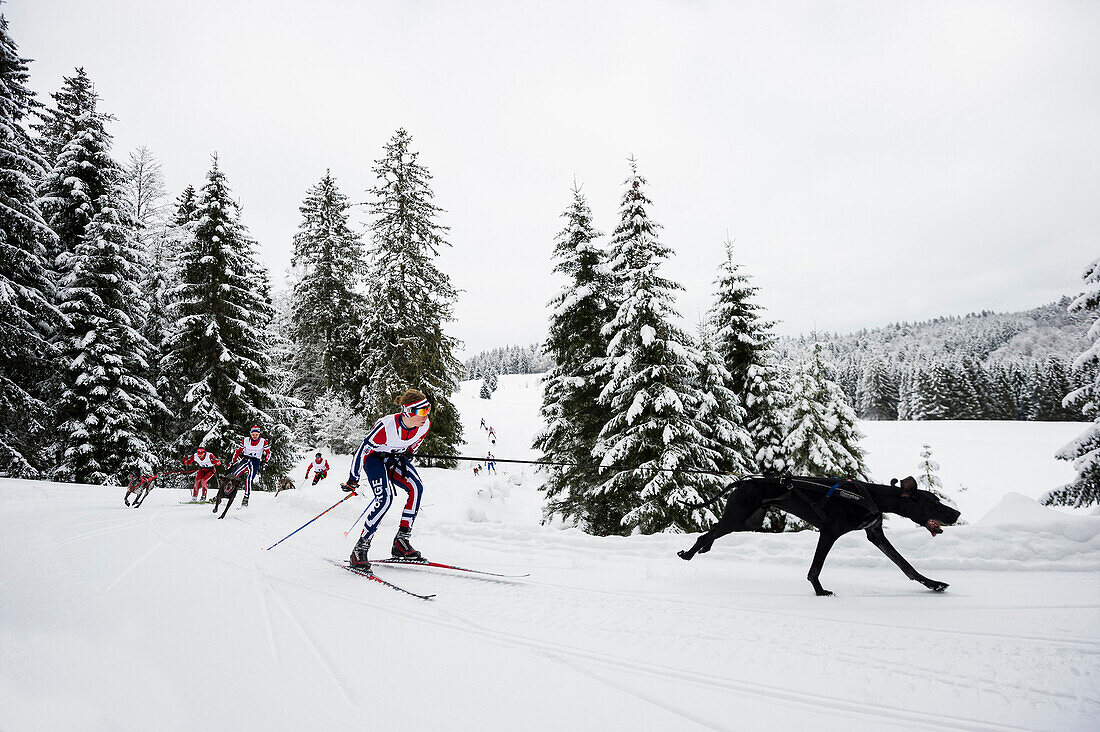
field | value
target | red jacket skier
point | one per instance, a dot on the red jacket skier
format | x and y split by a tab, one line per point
319	466
207	463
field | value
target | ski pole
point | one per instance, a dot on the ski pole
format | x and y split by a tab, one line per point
360	518
307	523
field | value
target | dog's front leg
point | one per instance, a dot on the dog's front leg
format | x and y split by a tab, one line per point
825	541
878	538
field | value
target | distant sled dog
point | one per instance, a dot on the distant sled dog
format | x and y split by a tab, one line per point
834	506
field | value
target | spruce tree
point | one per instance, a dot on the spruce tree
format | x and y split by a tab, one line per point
82	171
768	396
878	392
651	396
28	318
822	440
217	353
572	387
409	300
738	330
722	416
58	124
325	308
105	402
1084	451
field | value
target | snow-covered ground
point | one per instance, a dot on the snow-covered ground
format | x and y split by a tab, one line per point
164	618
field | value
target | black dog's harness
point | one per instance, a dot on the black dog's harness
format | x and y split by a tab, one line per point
851	491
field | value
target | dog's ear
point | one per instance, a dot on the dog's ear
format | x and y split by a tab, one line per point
908	487
893	482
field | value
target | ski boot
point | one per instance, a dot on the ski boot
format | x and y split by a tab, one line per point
358	558
402	549
244	502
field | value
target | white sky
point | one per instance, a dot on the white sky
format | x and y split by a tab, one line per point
874	161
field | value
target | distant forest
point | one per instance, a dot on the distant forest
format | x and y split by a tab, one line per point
987	365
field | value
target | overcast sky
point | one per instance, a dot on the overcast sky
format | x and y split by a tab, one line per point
873	161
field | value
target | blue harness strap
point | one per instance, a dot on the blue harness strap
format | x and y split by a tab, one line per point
833	489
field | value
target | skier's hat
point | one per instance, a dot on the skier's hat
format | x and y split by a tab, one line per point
254	429
420	407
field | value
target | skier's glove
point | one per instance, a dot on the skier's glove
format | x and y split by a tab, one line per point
263	467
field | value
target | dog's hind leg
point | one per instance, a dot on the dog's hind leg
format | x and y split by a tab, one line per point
703	543
825	541
876	536
742	504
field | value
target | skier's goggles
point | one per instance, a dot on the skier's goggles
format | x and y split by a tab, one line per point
419	411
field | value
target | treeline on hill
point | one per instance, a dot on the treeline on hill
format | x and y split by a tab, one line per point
509	360
133	330
1008	366
488	365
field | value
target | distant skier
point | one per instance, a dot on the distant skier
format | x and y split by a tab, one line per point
492	436
319	466
482	423
490	464
386	457
253	454
207	463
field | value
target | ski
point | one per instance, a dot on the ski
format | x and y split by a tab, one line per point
372	576
438	565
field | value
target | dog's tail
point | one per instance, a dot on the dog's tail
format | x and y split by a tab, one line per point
725	492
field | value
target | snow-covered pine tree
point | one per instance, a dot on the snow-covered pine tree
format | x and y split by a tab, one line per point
651	395
325	308
217	354
768	395
336	423
572	387
28	318
82	170
878	394
57	124
105	401
926	471
409	300
490	383
928	480
721	416
738	330
822	440
1084	451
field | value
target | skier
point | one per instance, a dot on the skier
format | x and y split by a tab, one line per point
253	453
319	466
492	436
482	423
207	463
490	464
386	456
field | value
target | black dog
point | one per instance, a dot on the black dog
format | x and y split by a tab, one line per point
834	507
227	489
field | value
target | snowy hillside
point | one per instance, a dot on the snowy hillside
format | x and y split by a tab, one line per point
164	618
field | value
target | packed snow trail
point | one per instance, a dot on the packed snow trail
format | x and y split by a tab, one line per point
166	618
